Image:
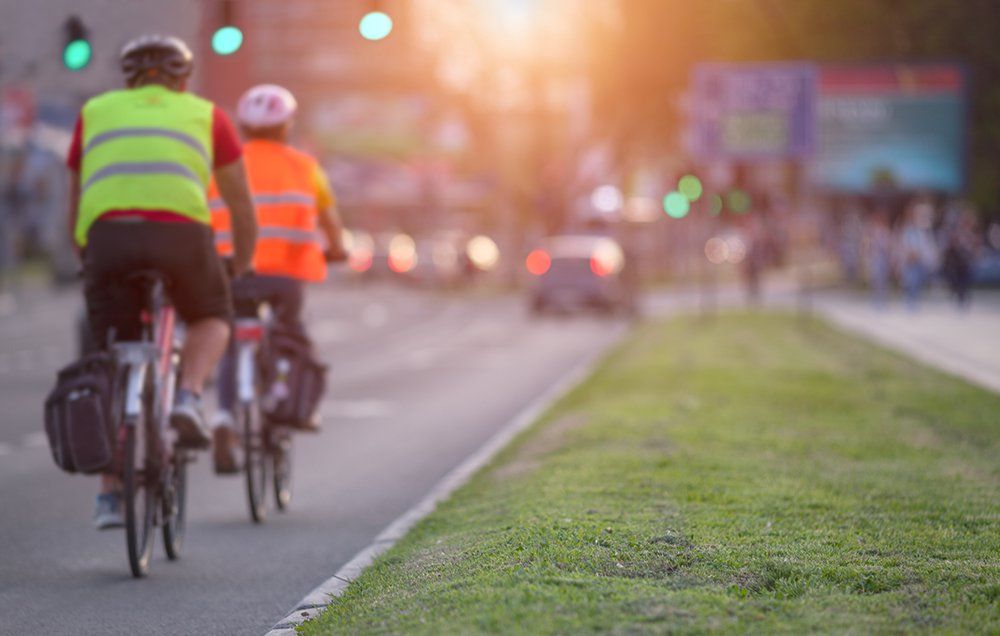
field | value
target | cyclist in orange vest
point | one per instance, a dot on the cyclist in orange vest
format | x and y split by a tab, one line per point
296	215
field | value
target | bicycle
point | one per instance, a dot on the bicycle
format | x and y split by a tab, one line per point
153	471
266	446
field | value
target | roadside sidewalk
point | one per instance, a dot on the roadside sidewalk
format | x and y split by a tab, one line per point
964	343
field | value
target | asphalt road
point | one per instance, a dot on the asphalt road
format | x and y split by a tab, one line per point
419	381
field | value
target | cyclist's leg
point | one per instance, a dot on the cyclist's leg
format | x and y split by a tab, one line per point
285	295
226	379
110	306
200	292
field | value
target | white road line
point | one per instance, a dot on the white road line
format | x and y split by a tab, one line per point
314	603
5	449
357	409
34	440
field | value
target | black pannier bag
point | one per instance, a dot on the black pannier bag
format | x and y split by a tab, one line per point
294	381
78	415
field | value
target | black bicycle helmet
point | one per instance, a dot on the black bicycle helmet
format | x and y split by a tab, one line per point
151	54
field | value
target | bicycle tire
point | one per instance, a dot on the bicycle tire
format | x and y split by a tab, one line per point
140	499
255	461
175	507
281	456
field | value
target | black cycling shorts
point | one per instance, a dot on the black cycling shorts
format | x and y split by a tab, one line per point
183	252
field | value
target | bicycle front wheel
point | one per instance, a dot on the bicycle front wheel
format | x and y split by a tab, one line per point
175	506
138	486
255	460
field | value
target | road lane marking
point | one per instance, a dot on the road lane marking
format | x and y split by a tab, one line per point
316	602
5	449
357	409
35	440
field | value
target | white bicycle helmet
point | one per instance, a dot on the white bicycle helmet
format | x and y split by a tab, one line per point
265	106
153	52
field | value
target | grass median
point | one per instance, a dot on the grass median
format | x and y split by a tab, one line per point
755	472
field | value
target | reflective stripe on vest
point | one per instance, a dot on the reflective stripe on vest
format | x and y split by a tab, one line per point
97	140
140	167
303	198
146	148
271	232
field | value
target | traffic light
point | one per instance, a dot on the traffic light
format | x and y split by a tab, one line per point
375	25
228	38
76	50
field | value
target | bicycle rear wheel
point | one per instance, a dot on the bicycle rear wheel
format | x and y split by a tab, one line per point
138	486
175	506
255	460
281	455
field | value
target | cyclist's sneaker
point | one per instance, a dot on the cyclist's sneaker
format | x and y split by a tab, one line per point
223	418
109	511
187	420
225	446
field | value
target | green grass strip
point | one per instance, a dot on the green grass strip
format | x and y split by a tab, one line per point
753	473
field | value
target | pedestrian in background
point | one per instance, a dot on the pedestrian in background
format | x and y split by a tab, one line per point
878	253
918	254
960	246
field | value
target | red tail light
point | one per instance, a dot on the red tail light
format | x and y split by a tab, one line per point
538	262
402	264
360	261
600	266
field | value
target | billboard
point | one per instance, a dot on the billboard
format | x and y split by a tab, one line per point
891	127
747	112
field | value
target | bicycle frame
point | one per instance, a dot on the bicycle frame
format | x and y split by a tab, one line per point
155	353
248	334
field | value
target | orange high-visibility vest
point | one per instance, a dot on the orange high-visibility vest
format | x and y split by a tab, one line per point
283	185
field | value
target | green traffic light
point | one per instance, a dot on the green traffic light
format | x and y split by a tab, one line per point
77	55
676	205
227	40
375	26
690	186
738	201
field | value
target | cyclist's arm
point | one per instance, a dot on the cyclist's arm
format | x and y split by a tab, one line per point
74	207
231	180
329	221
328	218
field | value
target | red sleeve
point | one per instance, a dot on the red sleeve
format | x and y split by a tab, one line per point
75	154
226	147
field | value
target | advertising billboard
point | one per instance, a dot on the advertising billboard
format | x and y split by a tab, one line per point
891	127
747	112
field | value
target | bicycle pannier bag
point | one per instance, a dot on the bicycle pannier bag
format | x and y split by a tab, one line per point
78	418
294	380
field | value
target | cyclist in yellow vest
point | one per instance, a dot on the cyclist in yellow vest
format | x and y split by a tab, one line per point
296	215
140	161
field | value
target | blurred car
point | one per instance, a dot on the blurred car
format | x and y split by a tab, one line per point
378	256
579	272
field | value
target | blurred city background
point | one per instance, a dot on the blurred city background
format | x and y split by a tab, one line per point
854	141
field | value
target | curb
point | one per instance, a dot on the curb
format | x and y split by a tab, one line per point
315	602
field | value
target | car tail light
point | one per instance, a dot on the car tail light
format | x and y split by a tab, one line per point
600	266
606	259
538	262
360	260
